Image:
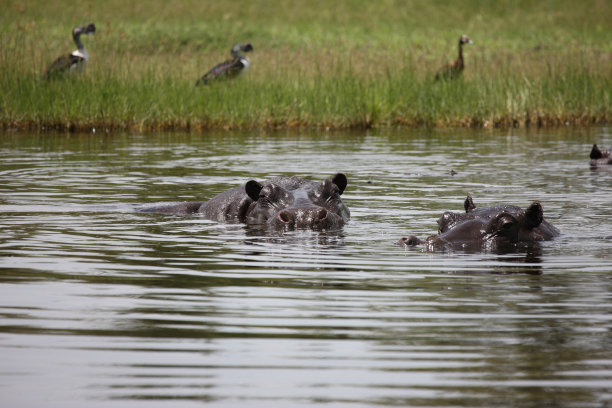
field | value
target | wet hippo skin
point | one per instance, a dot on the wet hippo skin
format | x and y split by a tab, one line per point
281	203
495	227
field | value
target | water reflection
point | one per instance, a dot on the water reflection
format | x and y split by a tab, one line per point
326	239
135	308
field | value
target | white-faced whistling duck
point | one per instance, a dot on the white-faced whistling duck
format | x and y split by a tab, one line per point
455	68
231	68
76	61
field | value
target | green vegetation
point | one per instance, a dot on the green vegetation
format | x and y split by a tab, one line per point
316	64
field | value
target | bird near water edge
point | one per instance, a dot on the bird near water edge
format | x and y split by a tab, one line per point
455	68
76	61
238	65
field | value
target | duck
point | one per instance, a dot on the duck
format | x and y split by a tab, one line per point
77	60
238	65
454	69
600	157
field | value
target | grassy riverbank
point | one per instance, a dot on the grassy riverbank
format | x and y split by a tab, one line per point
346	64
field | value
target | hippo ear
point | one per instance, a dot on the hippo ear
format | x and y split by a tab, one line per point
534	215
468	204
341	181
252	189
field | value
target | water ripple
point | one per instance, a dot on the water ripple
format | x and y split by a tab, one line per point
141	309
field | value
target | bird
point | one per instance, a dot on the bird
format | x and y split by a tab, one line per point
597	153
231	68
77	60
454	69
600	157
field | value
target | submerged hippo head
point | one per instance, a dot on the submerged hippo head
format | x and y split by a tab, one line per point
495	227
291	202
498	232
531	223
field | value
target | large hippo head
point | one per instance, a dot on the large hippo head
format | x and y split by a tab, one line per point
281	202
497	227
292	202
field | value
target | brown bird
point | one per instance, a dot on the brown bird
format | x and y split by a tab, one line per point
231	68
76	60
454	69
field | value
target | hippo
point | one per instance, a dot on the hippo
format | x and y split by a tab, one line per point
600	158
280	203
497	227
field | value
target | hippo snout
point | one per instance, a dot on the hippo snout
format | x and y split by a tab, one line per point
316	217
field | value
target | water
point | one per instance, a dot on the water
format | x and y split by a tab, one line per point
102	306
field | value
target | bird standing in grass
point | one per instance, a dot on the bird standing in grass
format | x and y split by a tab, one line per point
454	69
231	68
76	61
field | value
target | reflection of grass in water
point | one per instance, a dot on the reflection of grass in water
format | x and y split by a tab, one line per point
346	64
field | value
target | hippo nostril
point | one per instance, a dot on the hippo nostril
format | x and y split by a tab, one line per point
284	217
410	241
321	214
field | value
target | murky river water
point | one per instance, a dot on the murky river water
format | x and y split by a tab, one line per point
102	306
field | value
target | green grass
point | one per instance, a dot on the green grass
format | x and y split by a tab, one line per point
316	64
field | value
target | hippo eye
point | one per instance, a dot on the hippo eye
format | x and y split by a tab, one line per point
284	217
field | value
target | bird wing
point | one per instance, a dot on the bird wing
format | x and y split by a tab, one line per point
449	71
229	68
62	65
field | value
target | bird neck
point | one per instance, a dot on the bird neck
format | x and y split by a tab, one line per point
78	42
460	58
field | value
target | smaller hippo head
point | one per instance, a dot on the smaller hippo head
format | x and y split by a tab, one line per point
289	204
532	225
496	227
498	232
